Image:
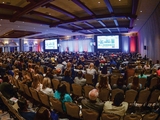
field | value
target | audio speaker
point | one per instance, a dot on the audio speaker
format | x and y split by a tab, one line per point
145	47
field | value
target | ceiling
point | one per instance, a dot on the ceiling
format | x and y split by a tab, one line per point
37	19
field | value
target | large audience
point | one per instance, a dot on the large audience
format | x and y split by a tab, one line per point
37	69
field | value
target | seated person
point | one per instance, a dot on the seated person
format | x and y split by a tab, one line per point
46	87
117	106
7	89
43	114
79	79
120	83
93	102
24	111
135	84
62	95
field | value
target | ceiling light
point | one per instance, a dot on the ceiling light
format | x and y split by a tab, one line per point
3	2
141	11
119	0
0	24
1	19
137	19
99	2
18	26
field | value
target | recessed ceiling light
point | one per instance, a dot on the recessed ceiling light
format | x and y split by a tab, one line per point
3	2
23	22
18	26
99	2
137	19
141	11
119	0
1	19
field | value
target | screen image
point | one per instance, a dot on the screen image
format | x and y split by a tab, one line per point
50	44
108	42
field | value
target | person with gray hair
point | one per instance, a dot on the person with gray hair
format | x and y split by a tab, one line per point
93	102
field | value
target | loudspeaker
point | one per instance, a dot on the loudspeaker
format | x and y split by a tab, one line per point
145	47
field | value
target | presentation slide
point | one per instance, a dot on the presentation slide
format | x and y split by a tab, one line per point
50	44
108	42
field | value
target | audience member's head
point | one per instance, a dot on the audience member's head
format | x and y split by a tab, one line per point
93	94
46	83
22	104
80	74
118	99
43	114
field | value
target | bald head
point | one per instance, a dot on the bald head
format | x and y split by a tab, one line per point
93	94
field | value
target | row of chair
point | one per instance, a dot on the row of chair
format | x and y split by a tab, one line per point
11	109
55	104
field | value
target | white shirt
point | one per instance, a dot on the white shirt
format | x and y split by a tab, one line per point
92	72
48	91
118	110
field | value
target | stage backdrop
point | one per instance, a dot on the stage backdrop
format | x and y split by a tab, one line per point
76	45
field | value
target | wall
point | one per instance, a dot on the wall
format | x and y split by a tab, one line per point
149	36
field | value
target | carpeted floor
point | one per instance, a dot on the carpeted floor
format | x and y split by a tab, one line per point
5	116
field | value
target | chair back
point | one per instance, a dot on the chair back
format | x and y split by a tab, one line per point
34	94
114	79
109	116
89	114
104	94
153	82
89	79
27	91
130	96
72	109
16	83
114	92
20	86
130	79
55	83
87	89
67	86
132	117
77	89
150	116
142	81
56	104
143	96
44	98
154	96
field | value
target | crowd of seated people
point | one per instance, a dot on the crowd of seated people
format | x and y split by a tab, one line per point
38	69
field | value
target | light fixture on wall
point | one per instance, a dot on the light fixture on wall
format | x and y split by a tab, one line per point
59	45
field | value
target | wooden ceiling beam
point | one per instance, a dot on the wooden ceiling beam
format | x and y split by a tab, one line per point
74	25
10	7
108	4
134	9
46	16
88	24
51	6
101	17
107	28
84	7
28	8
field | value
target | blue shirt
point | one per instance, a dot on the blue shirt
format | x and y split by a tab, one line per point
67	98
28	115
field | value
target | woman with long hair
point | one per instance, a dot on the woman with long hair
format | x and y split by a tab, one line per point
103	83
36	83
46	87
135	84
62	95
